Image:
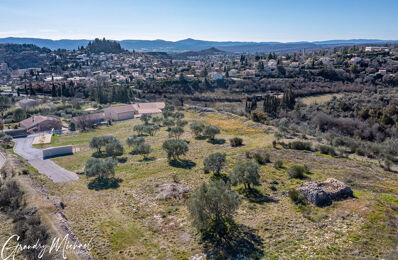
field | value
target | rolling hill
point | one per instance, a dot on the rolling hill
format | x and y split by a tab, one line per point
195	45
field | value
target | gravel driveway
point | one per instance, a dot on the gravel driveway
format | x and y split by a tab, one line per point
23	147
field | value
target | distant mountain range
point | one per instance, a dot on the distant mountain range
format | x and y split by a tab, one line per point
195	45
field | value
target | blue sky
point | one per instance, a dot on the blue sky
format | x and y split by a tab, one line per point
220	20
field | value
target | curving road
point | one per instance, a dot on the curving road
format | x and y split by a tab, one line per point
23	147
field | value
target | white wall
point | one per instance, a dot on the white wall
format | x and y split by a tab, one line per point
57	151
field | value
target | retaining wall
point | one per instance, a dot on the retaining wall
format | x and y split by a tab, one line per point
57	151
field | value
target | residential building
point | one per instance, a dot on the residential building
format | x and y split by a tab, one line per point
36	124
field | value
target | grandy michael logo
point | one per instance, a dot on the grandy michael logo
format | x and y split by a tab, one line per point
12	248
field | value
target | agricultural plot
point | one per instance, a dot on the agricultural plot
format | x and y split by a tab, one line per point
128	222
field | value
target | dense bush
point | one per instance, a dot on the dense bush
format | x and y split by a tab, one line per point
299	145
325	149
236	141
258	116
278	164
11	197
296	171
261	157
297	197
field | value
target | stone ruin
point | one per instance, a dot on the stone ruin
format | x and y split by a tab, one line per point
324	193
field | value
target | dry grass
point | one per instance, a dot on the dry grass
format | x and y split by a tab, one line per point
128	223
319	99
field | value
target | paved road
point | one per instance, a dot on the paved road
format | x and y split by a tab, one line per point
2	160
23	147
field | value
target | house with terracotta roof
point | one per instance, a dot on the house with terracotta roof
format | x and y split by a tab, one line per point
88	120
131	111
37	124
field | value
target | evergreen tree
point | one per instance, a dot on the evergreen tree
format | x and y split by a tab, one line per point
211	208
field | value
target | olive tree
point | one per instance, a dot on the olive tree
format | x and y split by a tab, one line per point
145	118
197	128
114	148
212	207
178	115
143	149
214	163
181	123
151	129
211	131
97	142
175	148
101	169
246	173
167	113
156	120
176	132
140	129
169	123
134	140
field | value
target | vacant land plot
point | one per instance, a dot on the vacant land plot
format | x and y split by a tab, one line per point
129	223
319	99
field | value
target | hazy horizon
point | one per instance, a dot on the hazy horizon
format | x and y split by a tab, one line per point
251	21
196	39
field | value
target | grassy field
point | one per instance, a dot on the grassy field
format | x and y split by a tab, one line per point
129	223
319	99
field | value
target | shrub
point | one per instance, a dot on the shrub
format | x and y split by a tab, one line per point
325	149
296	171
236	141
258	116
11	197
299	145
261	157
72	126
278	164
297	197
